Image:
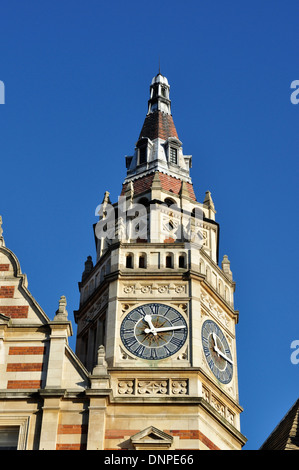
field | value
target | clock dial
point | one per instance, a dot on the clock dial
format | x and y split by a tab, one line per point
217	351
153	331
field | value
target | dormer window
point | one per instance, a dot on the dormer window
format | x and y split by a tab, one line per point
142	155
173	155
172	149
143	148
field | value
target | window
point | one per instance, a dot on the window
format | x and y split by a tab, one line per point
129	261
181	261
173	155
13	432
141	261
142	155
168	261
170	202
9	437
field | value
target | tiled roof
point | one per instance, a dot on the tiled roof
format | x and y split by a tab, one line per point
168	183
286	434
160	125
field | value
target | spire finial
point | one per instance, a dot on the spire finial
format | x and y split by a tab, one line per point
61	313
1	229
159	67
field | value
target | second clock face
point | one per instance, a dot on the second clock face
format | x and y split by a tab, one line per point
217	351
153	331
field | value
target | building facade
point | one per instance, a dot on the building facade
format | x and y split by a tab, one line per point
155	365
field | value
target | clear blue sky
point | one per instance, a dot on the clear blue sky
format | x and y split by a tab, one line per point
77	78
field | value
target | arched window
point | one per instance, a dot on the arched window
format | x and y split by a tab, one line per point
182	261
129	261
169	261
143	201
142	261
169	201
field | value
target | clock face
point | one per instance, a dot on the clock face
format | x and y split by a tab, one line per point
217	351
153	331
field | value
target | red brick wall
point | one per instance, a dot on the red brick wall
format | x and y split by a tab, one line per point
4	267
7	292
183	434
22	350
14	311
24	367
24	384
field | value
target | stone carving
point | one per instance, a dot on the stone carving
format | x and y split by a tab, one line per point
101	366
180	289
163	289
152	387
126	356
218	406
159	288
206	394
61	313
214	308
183	356
129	289
146	289
126	387
179	387
230	416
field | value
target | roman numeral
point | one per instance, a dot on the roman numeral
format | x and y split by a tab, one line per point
130	341
176	341
139	350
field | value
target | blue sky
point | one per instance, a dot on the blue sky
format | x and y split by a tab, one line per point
77	78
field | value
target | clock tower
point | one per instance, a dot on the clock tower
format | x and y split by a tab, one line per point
156	321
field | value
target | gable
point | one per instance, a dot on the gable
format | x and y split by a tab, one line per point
16	302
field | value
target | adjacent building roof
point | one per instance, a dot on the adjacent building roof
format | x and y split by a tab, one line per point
286	434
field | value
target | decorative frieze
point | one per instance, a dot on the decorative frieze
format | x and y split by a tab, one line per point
146	387
155	288
152	387
222	409
214	308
